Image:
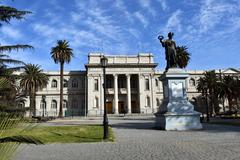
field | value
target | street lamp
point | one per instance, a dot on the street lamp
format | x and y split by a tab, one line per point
43	104
206	102
104	62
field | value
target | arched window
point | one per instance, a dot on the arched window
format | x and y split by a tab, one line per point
158	102
96	102
43	105
147	101
65	104
54	83
74	83
21	104
65	83
192	82
54	104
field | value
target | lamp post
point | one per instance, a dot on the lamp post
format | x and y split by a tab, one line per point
206	102
104	62
44	104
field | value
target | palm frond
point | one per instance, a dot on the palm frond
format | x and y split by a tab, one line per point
10	61
7	13
62	52
17	47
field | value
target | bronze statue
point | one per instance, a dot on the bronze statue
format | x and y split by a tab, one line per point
170	50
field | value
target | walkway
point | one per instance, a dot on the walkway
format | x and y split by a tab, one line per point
137	139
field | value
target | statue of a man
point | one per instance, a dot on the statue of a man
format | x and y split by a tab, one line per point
170	50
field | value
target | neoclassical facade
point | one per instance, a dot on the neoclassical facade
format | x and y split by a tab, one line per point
133	87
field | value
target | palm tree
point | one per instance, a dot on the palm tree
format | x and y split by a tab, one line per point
228	89
7	13
212	86
207	85
33	79
183	57
7	79
8	88
61	53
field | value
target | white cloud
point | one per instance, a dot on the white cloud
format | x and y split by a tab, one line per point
146	4
174	22
163	4
76	36
141	18
212	13
44	29
119	4
11	32
135	33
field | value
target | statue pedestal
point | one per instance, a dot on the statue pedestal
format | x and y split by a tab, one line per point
176	112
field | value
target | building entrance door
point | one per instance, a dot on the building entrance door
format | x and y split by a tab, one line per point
134	107
109	107
121	107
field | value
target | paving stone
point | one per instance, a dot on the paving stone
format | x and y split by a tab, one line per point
138	140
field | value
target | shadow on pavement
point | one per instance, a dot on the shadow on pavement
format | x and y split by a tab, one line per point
134	125
150	125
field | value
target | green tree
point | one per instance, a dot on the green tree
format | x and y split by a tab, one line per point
8	89
33	79
182	57
212	83
208	86
229	89
61	53
6	15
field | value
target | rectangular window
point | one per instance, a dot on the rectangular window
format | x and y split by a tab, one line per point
120	83
156	81
146	84
133	84
109	83
83	83
96	84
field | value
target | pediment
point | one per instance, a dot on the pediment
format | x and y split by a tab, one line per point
231	71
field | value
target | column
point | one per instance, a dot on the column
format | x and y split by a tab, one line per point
101	98
115	94
140	88
152	87
129	93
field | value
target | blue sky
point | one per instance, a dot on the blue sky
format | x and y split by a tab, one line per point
209	28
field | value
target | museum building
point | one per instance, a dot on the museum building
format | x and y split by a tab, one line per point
133	87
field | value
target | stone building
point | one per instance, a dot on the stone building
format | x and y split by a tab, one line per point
133	86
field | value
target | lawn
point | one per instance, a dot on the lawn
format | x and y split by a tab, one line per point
69	134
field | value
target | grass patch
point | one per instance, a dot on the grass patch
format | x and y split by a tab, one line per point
69	134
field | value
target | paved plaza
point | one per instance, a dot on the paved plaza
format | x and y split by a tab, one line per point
137	139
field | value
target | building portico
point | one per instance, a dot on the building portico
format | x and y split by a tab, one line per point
126	76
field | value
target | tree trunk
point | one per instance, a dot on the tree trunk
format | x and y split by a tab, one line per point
224	110
61	91
230	103
32	103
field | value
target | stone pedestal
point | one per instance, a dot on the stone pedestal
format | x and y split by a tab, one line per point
176	112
